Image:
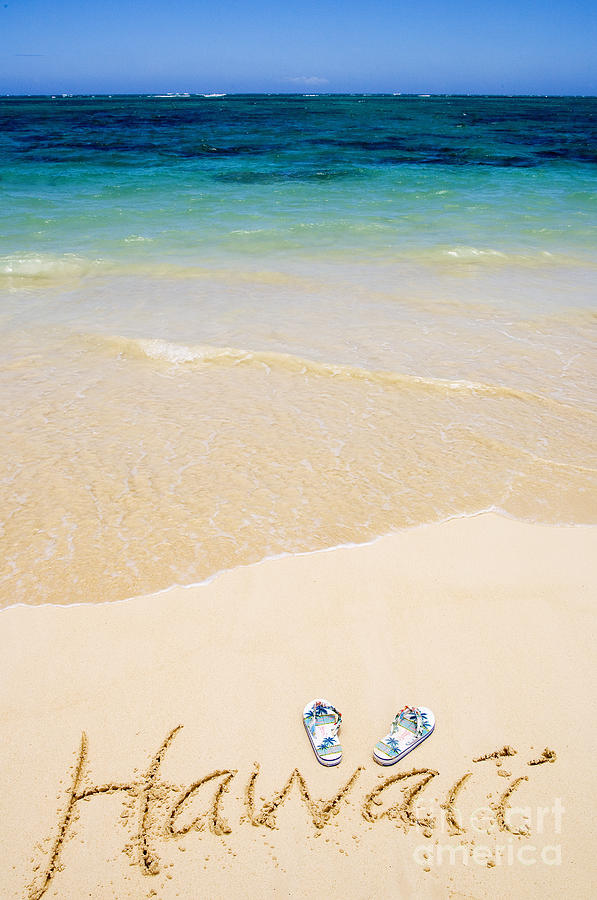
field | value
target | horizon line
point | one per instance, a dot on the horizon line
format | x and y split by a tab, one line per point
217	95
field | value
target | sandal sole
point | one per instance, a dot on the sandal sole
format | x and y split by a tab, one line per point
395	759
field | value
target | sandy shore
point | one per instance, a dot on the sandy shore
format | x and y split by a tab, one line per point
489	622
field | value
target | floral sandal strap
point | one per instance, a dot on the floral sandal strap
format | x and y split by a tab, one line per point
413	716
322	713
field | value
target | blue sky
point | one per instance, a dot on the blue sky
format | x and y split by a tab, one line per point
83	46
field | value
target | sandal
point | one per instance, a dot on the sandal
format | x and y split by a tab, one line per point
322	723
411	727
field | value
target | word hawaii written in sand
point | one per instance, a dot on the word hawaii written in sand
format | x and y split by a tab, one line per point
157	808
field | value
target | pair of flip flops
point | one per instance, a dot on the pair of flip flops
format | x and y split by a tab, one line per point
411	726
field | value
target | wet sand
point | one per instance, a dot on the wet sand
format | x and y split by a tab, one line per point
150	746
372	411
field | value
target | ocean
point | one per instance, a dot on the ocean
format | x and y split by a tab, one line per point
240	326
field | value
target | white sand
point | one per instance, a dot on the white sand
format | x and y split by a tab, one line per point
489	622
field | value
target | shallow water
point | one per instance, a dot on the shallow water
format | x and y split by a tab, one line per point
242	326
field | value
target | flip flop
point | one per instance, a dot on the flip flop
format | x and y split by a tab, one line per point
411	727
322	723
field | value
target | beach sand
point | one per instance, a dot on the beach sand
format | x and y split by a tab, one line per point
113	713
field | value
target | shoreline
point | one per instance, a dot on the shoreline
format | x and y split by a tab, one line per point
490	511
487	620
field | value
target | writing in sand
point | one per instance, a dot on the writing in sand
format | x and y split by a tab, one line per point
160	810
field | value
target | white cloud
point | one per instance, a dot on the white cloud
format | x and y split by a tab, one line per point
307	80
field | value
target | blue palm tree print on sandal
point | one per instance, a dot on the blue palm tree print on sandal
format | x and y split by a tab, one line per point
322	723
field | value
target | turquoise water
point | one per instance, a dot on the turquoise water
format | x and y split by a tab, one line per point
240	326
137	179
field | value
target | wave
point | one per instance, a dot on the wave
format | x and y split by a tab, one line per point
178	354
502	256
29	269
39	266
